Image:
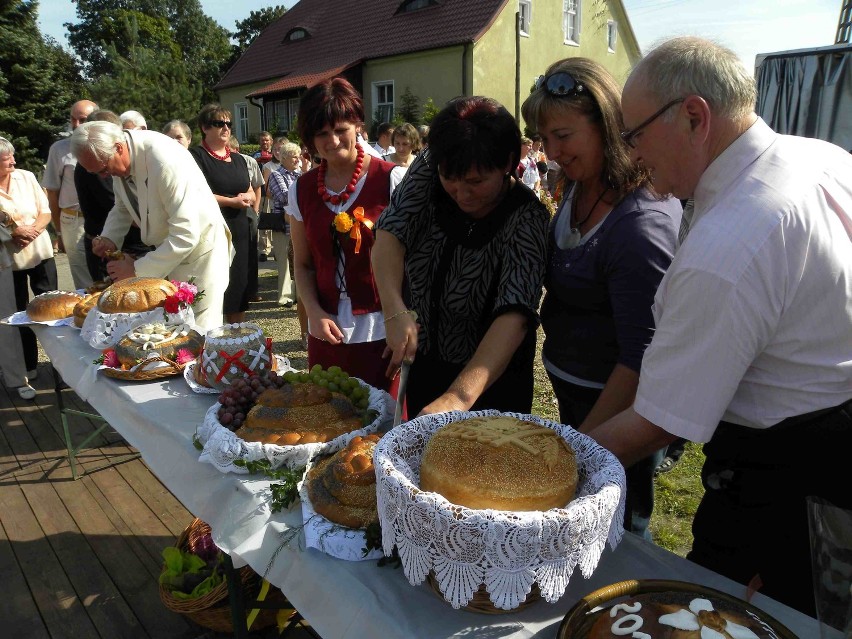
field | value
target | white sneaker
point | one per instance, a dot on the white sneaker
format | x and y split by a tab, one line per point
26	392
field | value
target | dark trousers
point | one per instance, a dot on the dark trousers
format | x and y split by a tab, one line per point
430	377
41	279
752	520
95	264
575	403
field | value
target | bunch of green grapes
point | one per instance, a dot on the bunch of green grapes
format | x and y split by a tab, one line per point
336	380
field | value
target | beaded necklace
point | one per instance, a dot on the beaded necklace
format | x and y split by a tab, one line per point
336	199
221	158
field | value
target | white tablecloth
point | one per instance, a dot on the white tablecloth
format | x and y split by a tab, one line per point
339	598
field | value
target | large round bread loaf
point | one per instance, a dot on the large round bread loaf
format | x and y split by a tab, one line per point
678	615
131	349
342	488
299	414
82	308
54	305
135	295
501	463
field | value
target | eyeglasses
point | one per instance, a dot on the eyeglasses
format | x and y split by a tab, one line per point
630	136
220	123
560	84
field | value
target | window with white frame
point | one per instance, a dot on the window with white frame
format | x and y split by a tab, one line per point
571	21
611	35
276	116
241	121
293	103
525	15
383	101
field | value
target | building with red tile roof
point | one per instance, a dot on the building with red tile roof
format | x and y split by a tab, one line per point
434	49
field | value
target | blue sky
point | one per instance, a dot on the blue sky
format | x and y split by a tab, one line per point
748	27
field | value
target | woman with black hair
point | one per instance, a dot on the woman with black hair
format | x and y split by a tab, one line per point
470	243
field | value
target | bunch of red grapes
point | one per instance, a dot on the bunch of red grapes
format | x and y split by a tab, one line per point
241	395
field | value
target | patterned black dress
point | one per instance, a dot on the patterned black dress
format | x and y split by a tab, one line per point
462	273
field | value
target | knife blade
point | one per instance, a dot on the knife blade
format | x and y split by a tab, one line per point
400	395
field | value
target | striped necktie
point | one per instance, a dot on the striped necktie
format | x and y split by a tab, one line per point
685	221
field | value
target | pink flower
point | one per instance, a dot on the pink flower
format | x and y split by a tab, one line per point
111	359
184	356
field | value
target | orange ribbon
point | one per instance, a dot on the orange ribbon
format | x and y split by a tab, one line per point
355	233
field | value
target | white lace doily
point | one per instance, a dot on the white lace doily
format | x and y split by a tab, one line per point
22	319
104	330
222	447
328	537
506	551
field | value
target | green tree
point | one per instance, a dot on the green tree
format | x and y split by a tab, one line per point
150	80
179	26
409	108
430	110
38	83
251	27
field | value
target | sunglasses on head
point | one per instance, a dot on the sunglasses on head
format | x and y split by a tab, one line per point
220	123
559	84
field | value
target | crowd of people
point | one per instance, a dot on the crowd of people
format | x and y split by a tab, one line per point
726	322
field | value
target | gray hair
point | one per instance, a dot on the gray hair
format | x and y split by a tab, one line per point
290	148
178	124
97	139
135	117
6	147
694	66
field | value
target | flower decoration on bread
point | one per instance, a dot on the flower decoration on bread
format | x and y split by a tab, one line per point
350	223
186	295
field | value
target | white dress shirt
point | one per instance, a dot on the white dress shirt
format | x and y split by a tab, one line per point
754	316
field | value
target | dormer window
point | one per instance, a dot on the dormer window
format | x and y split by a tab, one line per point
296	34
414	5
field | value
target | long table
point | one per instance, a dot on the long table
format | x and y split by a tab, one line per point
340	599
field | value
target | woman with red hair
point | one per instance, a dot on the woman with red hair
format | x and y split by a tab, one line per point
333	210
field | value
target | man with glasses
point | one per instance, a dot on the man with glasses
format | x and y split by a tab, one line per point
753	341
159	187
58	182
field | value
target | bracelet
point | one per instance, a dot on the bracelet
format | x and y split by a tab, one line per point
409	311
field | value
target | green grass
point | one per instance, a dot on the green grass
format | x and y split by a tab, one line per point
677	492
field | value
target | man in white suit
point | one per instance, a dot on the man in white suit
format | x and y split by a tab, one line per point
160	188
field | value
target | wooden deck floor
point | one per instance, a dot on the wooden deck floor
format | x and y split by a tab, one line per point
81	558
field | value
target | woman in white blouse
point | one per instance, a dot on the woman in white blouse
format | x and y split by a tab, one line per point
29	253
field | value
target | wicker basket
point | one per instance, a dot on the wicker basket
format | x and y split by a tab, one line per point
213	610
481	601
147	375
580	619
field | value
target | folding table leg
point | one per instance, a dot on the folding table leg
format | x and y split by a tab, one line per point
63	416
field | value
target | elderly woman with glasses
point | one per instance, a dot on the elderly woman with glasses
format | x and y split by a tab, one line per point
228	177
469	242
609	245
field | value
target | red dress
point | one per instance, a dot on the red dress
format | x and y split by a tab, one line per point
364	359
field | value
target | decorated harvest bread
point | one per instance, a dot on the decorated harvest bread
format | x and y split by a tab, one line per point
501	463
158	339
82	308
135	295
342	488
299	414
100	285
54	305
678	615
